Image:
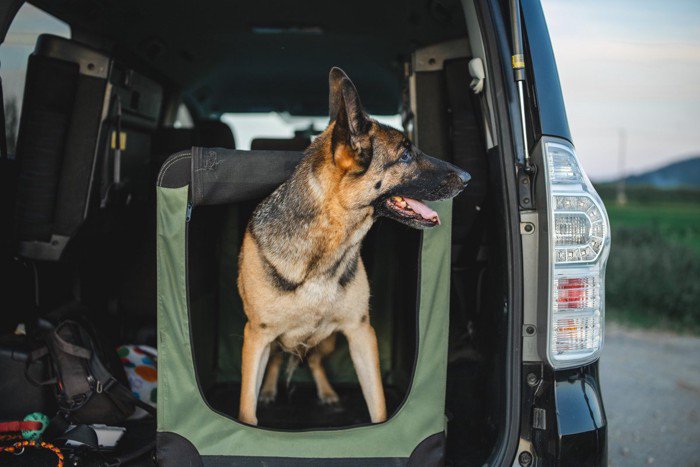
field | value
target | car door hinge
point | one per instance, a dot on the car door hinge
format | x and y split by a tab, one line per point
526	182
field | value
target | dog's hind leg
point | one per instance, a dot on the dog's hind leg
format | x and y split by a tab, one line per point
261	370
365	357
325	391
268	392
256	350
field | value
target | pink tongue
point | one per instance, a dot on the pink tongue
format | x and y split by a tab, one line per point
422	209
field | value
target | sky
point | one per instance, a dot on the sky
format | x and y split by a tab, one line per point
630	65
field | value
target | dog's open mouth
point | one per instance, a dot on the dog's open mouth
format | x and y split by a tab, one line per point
413	209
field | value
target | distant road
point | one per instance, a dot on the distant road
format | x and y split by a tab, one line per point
651	389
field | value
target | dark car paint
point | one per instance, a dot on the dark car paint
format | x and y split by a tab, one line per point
545	86
569	418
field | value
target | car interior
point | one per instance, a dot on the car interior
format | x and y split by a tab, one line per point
98	119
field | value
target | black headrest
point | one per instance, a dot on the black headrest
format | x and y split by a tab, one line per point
298	143
215	134
209	133
167	141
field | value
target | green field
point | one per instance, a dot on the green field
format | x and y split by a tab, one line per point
653	275
678	221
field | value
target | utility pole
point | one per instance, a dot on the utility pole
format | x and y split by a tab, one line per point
621	156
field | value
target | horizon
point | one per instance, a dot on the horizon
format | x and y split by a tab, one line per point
652	169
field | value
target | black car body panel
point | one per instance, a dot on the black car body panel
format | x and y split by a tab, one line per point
551	112
574	430
562	413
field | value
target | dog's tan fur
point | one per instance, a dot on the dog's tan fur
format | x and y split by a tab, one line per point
301	276
320	307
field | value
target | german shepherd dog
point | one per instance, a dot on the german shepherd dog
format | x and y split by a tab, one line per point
301	276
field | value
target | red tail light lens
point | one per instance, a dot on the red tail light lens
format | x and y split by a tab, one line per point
576	293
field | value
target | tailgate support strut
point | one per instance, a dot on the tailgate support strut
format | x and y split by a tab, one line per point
518	63
526	170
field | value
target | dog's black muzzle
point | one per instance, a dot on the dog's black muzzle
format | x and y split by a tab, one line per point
435	179
429	179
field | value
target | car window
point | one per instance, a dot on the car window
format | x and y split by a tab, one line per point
29	23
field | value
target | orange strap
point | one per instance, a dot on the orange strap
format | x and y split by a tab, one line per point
18	449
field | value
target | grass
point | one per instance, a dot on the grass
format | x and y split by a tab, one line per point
679	222
653	275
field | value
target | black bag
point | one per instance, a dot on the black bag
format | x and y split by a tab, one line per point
89	381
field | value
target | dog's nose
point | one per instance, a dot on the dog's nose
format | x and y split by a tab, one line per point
464	177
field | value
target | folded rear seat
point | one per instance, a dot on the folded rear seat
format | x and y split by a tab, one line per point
75	100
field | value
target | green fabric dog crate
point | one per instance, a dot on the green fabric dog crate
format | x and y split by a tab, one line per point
205	197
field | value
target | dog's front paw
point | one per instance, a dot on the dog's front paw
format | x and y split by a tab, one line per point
329	398
249	419
247	415
267	397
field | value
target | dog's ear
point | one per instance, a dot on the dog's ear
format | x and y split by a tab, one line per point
351	122
335	93
344	102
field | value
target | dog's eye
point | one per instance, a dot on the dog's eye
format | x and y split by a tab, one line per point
406	156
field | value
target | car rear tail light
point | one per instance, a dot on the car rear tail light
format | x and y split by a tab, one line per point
580	228
579	242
